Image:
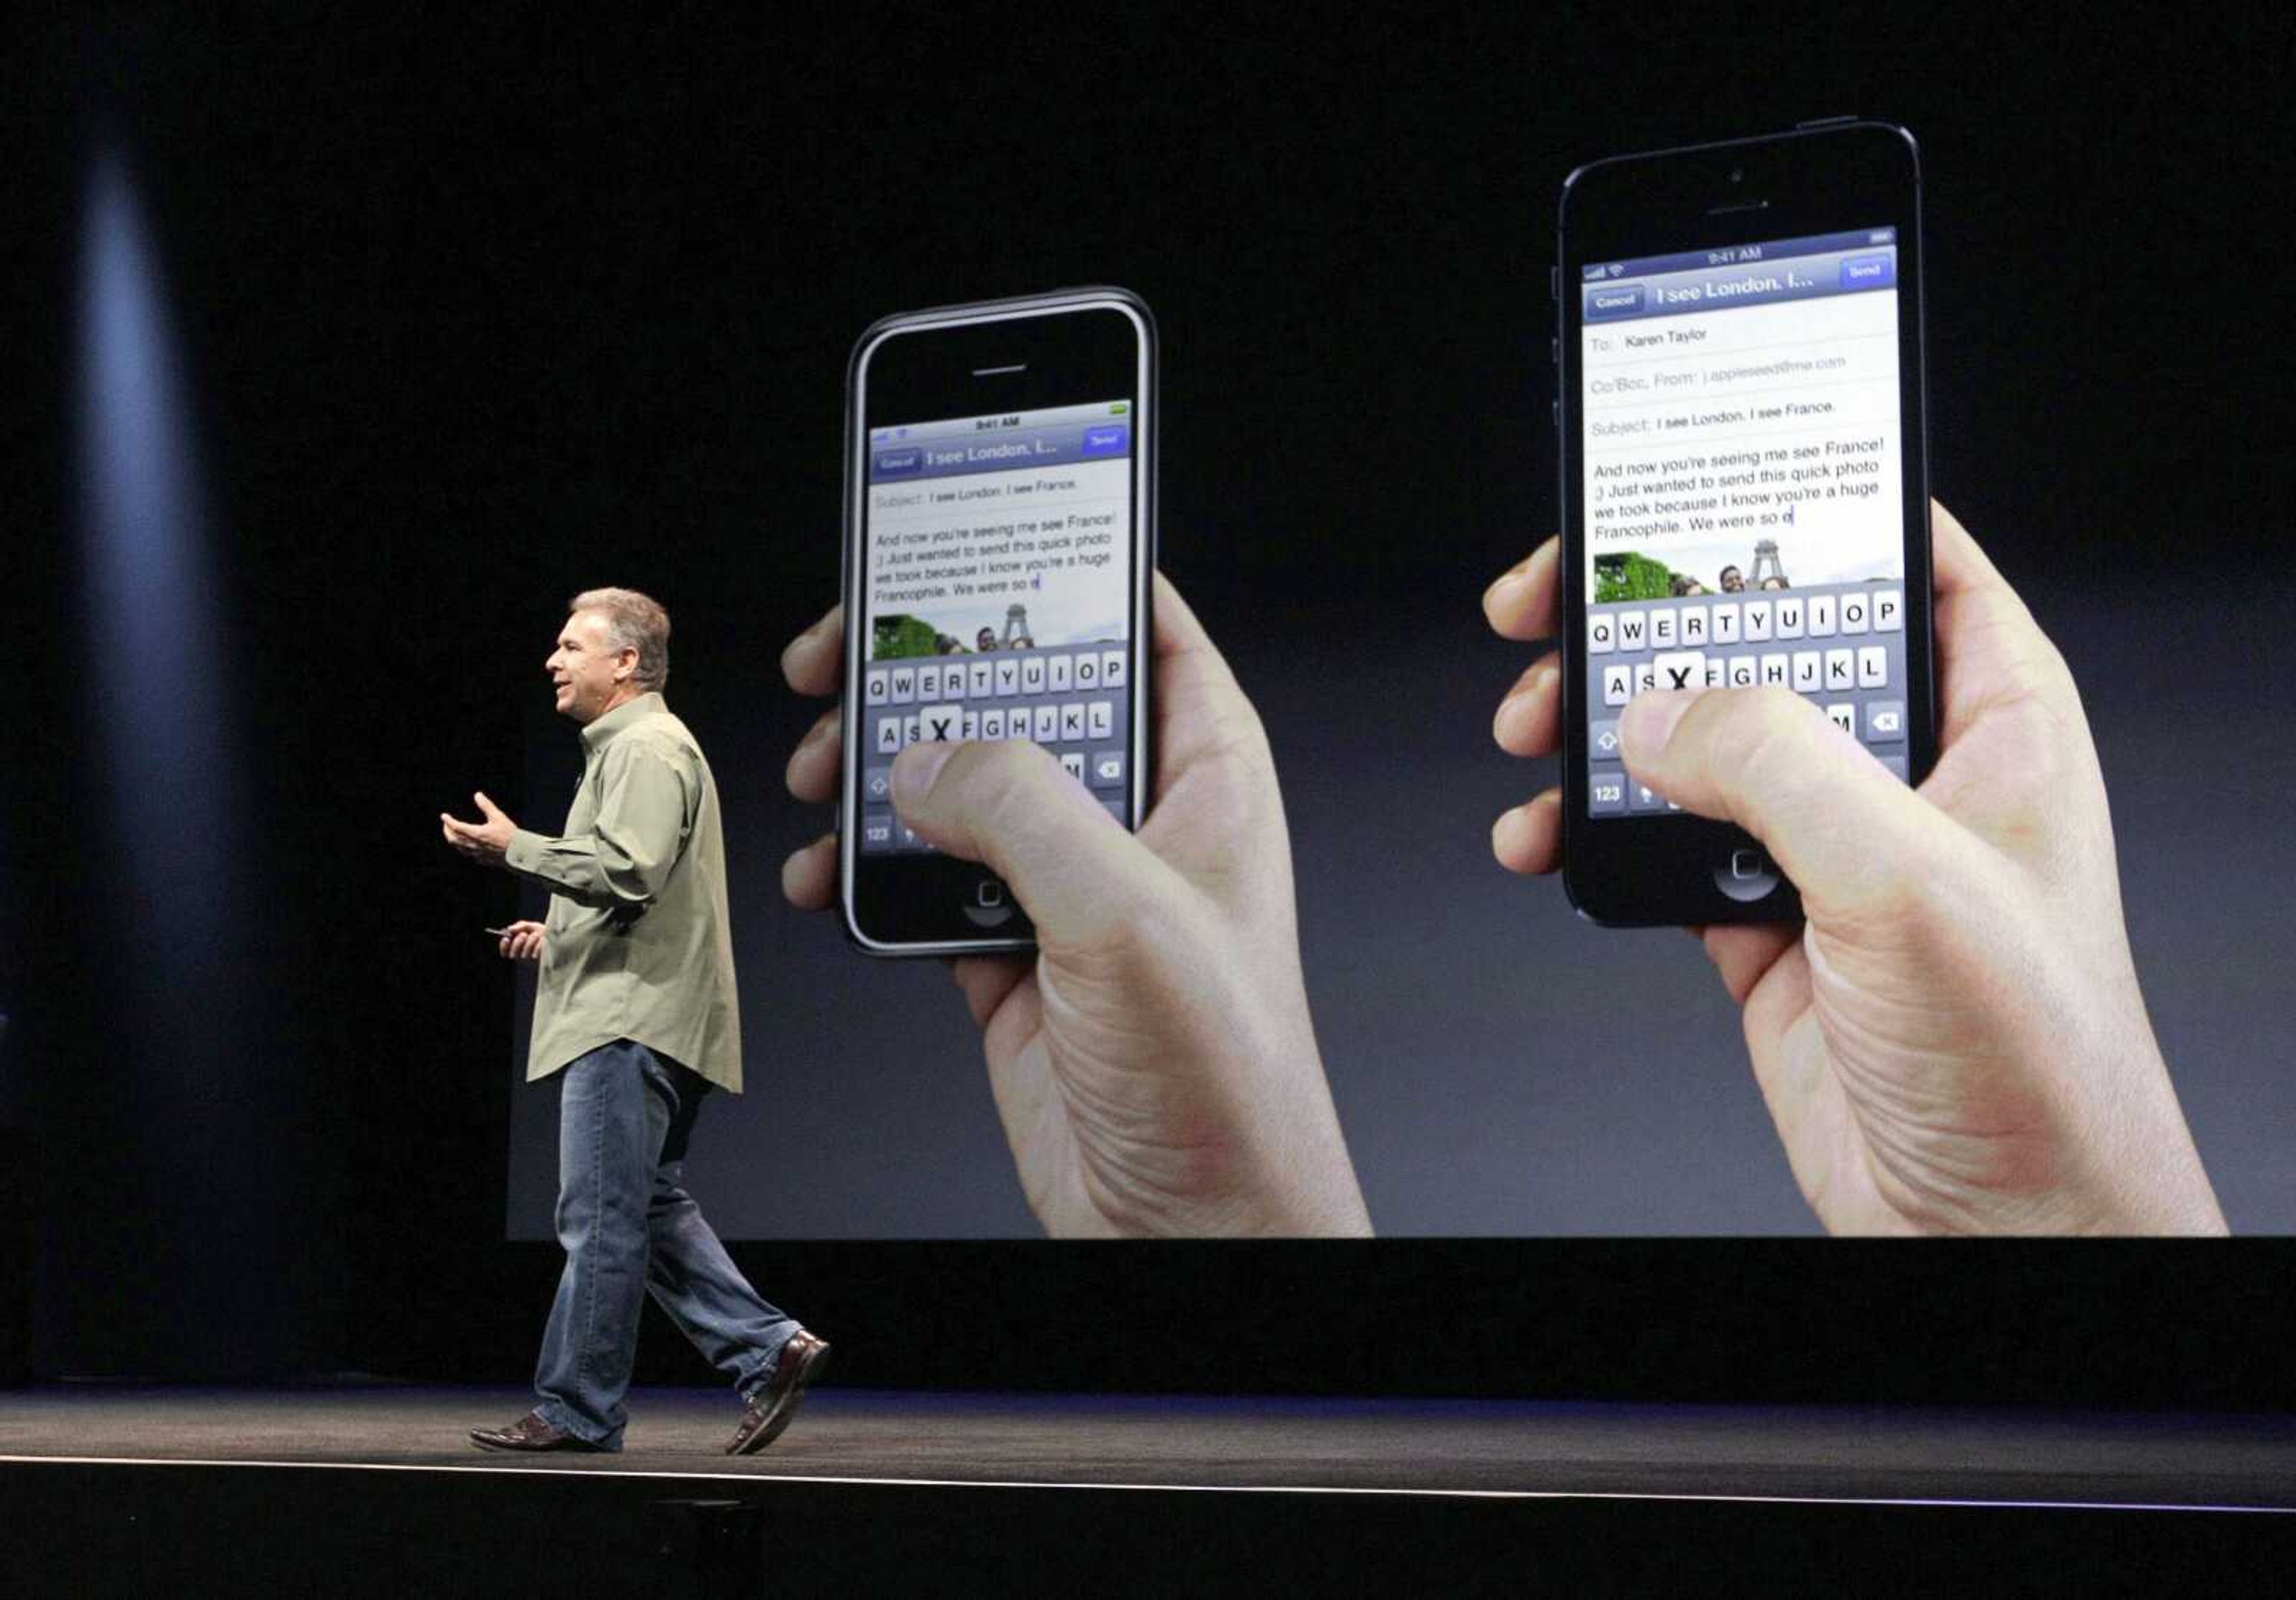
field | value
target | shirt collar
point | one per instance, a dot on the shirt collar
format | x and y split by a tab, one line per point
601	730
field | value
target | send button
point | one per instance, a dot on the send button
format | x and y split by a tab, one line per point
1869	272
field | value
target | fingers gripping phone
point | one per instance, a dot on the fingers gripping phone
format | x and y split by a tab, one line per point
1000	531
1745	488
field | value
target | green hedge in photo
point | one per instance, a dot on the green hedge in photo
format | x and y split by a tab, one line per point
899	636
1631	576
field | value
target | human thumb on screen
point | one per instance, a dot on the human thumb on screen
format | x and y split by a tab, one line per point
1072	867
1837	823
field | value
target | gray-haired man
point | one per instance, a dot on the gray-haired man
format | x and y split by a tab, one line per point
636	1006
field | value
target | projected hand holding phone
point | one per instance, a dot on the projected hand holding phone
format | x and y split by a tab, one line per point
1955	1040
1153	1063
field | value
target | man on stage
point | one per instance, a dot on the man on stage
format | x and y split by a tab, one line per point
636	1005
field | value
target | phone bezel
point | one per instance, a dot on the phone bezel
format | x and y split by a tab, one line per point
1660	870
922	366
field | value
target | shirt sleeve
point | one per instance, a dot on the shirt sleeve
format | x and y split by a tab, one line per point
625	858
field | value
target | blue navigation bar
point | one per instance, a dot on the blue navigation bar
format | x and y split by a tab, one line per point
1760	283
1002	452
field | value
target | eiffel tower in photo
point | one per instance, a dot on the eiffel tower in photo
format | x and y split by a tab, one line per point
1016	626
1765	564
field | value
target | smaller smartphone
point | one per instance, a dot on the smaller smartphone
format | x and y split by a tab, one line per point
496	932
1000	534
1745	483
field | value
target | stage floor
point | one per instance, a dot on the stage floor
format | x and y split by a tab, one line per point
1438	1447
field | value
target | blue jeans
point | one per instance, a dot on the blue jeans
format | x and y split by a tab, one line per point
630	1229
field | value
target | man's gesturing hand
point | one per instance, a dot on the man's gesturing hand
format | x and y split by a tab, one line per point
1955	1040
522	942
483	842
1154	1064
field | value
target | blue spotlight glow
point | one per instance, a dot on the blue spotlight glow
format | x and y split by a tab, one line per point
157	651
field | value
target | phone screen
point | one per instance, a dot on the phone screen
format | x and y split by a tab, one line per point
997	601
1742	487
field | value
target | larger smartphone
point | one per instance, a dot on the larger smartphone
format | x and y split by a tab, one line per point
1745	486
1000	532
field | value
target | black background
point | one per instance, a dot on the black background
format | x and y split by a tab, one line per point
473	312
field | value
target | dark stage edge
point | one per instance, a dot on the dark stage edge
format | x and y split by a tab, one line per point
375	1489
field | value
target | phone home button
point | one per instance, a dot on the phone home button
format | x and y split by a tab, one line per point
988	908
1746	876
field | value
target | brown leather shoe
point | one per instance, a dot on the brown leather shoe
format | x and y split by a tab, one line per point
528	1432
772	1406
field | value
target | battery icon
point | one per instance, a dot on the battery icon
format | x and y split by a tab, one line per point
1119	408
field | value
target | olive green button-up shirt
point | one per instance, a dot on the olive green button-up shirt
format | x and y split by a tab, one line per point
637	945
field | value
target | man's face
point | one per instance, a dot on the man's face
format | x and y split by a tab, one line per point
585	669
1732	580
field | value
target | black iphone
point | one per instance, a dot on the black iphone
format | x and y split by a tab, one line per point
1000	532
1745	490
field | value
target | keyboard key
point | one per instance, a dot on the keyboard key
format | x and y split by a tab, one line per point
1713	671
1087	670
1758	622
1726	624
1662	628
1872	667
1840	670
889	735
905	685
1790	618
1032	675
877	830
1822	611
992	723
1694	626
1601	633
1071	722
978	676
1777	669
1741	672
952	681
1108	769
1889	612
1047	720
909	735
1633	630
1008	677
1617	685
876	686
941	724
968	725
1057	678
1885	721
1843	717
1641	797
1606	791
1856	611
1807	671
1072	763
1112	672
876	786
1100	720
1602	739
1646	676
929	681
1681	669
